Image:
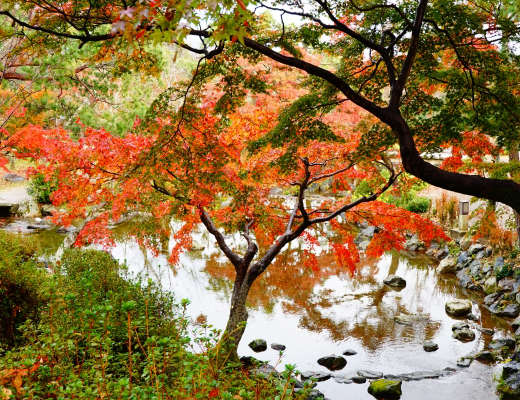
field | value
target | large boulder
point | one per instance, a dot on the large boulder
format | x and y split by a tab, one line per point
333	362
502	342
503	309
447	265
490	285
385	389
506	284
394	281
458	307
258	345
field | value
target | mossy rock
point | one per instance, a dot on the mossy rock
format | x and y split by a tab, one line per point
385	389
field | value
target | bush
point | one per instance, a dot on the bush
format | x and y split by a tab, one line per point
22	284
106	336
41	189
418	205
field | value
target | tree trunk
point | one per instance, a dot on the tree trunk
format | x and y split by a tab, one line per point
237	320
514	156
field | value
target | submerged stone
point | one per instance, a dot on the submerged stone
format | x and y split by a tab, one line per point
278	346
412	319
320	376
370	374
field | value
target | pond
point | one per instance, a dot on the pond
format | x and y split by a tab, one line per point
323	312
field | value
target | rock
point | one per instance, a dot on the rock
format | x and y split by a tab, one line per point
447	266
486	331
472	317
320	376
464	335
394	281
349	352
13	178
343	379
487	269
277	346
419	375
490	285
431	252
502	342
475	267
499	263
369	232
39	227
510	368
490	299
350	379
480	254
488	252
386	389
370	374
465	280
464	363
463	255
264	371
513	386
358	379
475	248
258	345
506	284
459	325
465	244
363	245
441	253
517	335
333	362
516	323
249	361
485	356
412	319
67	229
470	355
458	307
430	346
510	310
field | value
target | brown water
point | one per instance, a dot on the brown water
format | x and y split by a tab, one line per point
328	311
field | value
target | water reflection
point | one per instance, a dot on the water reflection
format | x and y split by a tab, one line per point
326	311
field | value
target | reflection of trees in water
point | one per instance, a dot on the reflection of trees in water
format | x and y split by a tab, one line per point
361	312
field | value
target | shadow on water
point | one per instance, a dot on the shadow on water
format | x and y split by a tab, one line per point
328	310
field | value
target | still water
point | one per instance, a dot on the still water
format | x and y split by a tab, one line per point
318	313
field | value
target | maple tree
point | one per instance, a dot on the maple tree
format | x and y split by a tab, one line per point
202	166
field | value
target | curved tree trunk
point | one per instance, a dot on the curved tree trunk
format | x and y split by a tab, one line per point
514	156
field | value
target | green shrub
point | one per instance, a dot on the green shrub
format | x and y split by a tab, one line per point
22	285
106	335
504	272
418	205
41	189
